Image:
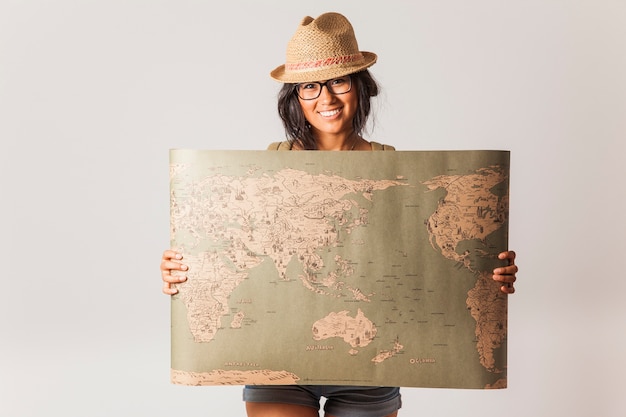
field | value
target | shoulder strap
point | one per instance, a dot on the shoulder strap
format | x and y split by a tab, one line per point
279	146
381	147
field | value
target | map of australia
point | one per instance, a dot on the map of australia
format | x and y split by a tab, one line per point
359	268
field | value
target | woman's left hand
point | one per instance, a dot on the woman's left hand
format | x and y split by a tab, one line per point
506	274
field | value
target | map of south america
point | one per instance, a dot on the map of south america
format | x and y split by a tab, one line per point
329	254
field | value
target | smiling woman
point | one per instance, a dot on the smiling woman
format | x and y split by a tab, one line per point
330	113
324	104
328	119
324	53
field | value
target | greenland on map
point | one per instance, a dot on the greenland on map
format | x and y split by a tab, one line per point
339	268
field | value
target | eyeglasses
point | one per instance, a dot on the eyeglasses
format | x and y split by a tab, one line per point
312	90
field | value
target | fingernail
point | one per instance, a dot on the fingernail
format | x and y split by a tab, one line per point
179	256
184	267
181	279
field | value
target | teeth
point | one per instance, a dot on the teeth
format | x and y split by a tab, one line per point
329	113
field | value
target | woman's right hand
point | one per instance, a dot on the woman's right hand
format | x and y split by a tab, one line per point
172	261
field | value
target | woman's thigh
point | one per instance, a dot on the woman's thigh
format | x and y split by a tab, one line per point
279	410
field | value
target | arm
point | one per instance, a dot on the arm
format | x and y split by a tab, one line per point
506	274
172	261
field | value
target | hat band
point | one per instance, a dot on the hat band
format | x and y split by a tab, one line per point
336	60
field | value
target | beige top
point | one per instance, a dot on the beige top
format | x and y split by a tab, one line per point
286	146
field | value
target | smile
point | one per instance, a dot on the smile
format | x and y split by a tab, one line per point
329	113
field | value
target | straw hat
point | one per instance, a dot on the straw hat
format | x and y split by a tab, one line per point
322	49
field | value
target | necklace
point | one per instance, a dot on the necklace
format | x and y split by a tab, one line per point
356	139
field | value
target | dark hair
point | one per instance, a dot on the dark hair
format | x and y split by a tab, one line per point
297	128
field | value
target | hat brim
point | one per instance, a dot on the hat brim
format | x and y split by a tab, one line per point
279	73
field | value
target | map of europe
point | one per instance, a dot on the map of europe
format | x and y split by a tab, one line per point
342	268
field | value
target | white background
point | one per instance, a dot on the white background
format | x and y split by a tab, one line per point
94	93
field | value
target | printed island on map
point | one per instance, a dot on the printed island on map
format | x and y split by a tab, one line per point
342	268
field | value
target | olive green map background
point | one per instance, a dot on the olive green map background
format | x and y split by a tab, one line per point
360	268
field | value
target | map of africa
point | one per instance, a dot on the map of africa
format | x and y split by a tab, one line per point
342	268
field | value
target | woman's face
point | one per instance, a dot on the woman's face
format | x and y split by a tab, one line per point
331	113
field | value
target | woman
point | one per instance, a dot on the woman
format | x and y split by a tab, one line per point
324	105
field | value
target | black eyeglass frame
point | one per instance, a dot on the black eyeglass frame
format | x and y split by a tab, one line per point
328	87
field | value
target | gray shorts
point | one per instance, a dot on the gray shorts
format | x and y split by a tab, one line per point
341	401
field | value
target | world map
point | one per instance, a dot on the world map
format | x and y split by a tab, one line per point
343	268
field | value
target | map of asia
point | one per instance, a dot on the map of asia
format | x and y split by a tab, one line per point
340	268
